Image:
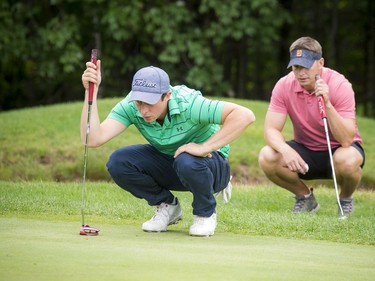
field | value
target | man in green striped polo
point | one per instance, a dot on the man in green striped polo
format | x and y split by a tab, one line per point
188	148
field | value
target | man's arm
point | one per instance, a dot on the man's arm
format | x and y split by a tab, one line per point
273	126
235	119
109	128
342	129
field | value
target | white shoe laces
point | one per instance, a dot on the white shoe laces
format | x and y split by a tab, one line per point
161	213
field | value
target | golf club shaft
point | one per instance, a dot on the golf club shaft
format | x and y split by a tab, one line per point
323	114
85	165
94	54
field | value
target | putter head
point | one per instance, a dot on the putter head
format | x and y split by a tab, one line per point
89	231
343	217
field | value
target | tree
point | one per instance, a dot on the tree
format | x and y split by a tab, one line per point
233	48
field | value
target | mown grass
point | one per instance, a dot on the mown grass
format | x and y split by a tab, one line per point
254	210
43	143
44	250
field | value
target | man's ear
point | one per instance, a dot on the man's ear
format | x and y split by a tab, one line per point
167	95
321	63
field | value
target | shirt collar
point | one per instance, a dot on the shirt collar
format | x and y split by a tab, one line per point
173	107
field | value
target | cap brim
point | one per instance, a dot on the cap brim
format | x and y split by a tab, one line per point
149	98
306	63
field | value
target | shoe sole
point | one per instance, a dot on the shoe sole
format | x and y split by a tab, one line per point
176	220
201	235
156	231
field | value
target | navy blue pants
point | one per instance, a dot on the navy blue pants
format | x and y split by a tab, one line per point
149	174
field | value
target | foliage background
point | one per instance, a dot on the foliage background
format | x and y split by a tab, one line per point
235	48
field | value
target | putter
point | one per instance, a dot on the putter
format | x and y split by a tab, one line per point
86	229
322	110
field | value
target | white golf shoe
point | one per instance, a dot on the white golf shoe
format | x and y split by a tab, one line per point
165	214
203	226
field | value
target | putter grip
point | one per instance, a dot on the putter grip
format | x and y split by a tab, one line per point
322	105
94	56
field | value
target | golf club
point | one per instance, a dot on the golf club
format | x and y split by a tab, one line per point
322	110
86	229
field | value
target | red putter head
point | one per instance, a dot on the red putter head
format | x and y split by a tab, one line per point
89	231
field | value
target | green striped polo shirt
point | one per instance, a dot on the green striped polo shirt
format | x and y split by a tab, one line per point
190	118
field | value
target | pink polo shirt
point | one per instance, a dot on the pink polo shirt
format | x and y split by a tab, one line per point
288	97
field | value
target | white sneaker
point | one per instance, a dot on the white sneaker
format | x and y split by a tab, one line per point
226	192
203	226
165	215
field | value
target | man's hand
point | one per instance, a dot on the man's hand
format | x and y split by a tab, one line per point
92	74
294	162
194	149
322	89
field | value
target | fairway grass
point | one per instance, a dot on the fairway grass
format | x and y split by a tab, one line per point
53	250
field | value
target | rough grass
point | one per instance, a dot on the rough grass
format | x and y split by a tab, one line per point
43	143
253	210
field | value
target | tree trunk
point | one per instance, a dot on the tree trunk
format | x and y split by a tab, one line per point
369	61
332	54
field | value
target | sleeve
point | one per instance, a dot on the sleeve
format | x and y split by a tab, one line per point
206	111
277	103
343	99
123	112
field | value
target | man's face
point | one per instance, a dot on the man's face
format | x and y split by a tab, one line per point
306	76
153	112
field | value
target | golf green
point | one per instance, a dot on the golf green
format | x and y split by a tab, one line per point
54	250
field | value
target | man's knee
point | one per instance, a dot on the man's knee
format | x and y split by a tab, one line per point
122	161
185	164
114	163
347	160
267	156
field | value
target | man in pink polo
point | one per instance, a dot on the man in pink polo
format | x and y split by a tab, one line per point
306	157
